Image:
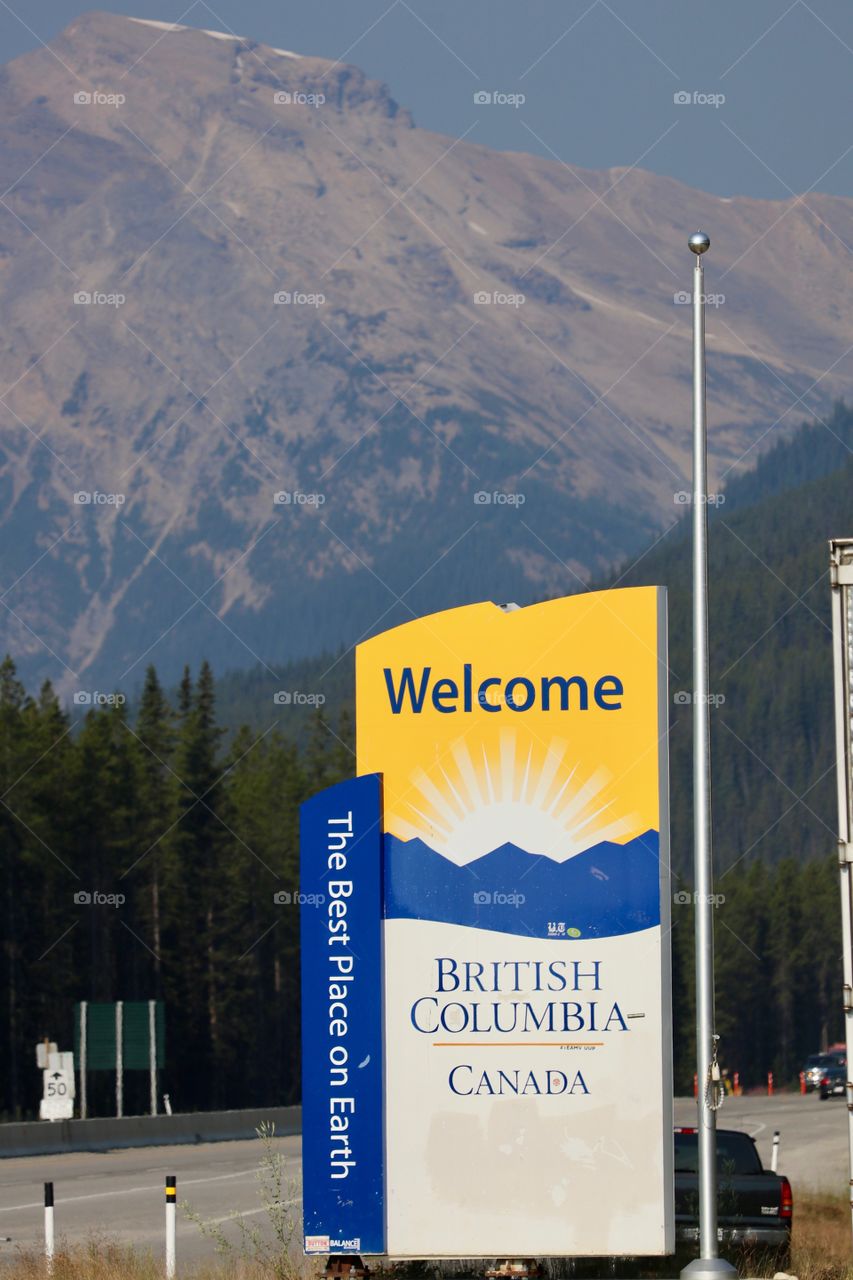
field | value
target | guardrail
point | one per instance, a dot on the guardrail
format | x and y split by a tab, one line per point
44	1137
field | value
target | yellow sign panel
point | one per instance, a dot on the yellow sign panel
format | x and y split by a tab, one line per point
541	715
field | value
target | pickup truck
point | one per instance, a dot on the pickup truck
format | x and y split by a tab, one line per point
754	1206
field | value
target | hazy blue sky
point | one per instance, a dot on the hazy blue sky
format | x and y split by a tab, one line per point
598	75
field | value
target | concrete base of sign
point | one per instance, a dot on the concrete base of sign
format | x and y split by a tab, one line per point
581	1275
345	1266
515	1269
709	1269
562	1268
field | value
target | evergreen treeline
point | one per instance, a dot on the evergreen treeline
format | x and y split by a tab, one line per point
198	836
194	839
778	968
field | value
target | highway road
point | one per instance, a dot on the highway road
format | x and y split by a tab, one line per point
119	1194
813	1135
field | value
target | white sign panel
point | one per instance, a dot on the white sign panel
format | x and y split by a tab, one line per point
58	1100
43	1049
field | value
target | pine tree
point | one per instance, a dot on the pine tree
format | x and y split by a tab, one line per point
13	762
156	795
194	861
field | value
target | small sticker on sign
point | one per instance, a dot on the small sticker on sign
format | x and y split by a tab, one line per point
316	1244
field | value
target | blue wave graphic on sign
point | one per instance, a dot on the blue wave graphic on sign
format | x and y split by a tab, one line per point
608	890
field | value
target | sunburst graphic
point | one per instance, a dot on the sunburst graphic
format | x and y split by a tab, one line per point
536	798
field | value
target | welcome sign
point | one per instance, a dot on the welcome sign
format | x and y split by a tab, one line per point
527	1038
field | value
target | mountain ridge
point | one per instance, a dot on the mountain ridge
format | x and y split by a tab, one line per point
432	447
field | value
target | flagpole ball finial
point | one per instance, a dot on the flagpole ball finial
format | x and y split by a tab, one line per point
699	242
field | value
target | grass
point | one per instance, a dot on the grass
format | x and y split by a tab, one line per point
821	1251
100	1260
822	1238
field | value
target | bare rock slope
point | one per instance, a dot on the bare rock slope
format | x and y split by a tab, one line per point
230	272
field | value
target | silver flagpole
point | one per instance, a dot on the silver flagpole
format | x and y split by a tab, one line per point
708	1264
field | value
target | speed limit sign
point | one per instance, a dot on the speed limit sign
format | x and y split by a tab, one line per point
58	1098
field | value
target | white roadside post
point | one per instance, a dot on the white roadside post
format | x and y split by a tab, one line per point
152	1053
49	1237
119	1059
171	1210
774	1155
709	1265
84	1027
841	576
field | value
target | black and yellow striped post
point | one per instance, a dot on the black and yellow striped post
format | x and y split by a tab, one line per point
171	1211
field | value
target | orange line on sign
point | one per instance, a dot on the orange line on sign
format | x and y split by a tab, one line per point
517	1044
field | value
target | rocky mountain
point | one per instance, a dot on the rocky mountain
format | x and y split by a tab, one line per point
232	274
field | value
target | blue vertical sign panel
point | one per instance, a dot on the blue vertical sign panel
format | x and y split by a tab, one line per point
342	1111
